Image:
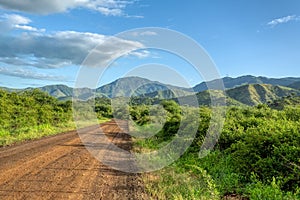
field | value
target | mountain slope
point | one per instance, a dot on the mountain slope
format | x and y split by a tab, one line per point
63	92
254	94
204	99
123	87
251	95
10	89
166	94
295	85
135	86
58	91
280	104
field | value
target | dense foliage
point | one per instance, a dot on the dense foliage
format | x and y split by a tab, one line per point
103	107
32	114
257	154
31	108
20	113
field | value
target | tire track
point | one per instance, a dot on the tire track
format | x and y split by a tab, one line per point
60	167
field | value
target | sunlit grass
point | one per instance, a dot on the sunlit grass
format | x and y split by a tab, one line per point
36	132
171	183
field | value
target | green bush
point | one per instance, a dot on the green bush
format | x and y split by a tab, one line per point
21	112
254	140
259	191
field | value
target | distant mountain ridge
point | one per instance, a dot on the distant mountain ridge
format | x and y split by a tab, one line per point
250	95
244	90
135	86
129	86
246	80
63	92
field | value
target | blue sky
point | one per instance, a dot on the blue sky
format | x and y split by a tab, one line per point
45	43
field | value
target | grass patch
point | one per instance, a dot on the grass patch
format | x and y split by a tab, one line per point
171	183
184	179
36	132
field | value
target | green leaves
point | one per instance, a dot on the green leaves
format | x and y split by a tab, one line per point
21	111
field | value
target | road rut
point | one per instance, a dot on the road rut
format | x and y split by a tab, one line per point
59	167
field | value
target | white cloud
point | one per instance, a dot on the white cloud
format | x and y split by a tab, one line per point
141	54
28	74
106	7
145	33
12	21
16	19
65	48
113	48
148	33
283	20
29	28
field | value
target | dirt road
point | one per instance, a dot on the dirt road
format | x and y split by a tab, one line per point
60	167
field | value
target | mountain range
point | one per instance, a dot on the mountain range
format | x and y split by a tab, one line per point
244	90
246	80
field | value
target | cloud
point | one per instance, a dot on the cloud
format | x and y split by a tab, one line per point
106	7
113	48
10	22
29	28
148	33
64	48
283	20
145	33
27	74
16	19
141	53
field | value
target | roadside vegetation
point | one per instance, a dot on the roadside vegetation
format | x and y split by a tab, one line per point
33	114
30	115
256	157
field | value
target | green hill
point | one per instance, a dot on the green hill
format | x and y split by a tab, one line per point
204	99
284	102
255	94
250	95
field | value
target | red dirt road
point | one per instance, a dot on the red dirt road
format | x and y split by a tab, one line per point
60	167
